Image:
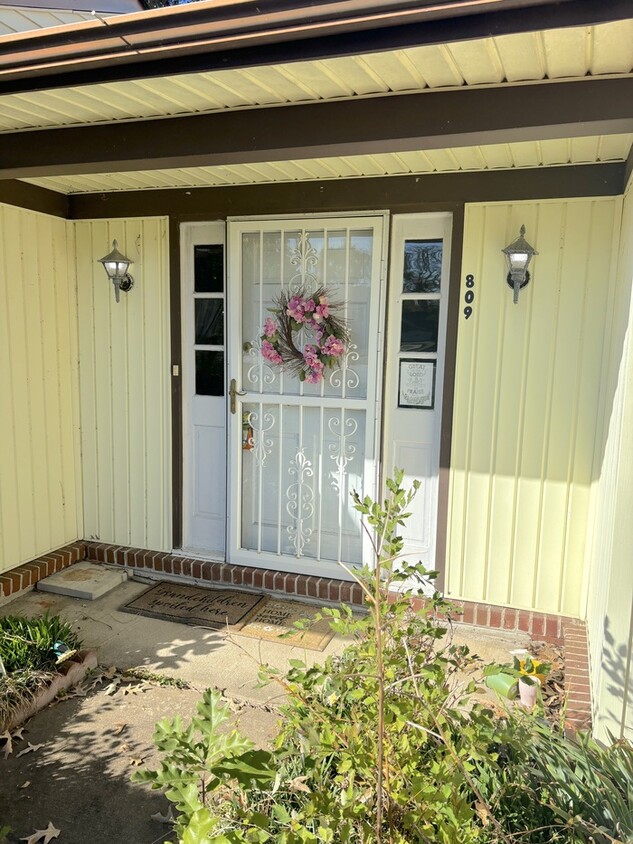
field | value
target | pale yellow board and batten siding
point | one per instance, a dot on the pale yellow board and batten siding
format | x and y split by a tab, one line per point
527	393
40	475
124	351
609	598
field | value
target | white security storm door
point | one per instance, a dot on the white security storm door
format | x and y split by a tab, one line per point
418	299
299	449
204	388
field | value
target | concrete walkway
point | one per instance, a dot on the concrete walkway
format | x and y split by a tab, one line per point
79	779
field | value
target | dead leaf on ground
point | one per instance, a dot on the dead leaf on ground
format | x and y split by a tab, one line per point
136	760
42	836
30	748
124	748
25	784
111	689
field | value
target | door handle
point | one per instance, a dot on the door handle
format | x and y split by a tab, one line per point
233	393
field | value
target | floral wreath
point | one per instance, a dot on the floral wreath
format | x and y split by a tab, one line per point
315	313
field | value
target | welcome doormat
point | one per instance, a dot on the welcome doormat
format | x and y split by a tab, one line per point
214	608
272	618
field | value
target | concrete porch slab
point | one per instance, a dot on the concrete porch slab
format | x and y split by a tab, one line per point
83	580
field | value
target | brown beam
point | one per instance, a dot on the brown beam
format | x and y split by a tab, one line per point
396	123
34	198
396	193
197	38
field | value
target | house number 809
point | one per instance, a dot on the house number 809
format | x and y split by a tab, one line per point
469	296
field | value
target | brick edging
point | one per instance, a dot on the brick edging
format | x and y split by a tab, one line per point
543	626
570	632
22	577
538	625
298	585
578	714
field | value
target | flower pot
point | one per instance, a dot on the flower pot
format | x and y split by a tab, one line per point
505	685
528	691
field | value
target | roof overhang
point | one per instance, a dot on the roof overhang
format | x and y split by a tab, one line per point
452	102
428	120
217	35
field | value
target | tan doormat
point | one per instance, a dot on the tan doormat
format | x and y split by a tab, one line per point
179	602
272	618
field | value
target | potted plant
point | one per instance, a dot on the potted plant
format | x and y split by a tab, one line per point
523	676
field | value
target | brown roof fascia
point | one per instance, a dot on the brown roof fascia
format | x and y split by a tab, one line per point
402	194
34	198
218	35
436	119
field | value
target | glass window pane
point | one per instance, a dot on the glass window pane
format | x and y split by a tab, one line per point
209	373
420	321
208	268
422	266
210	322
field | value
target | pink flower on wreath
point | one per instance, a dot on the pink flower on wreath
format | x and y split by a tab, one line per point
333	347
296	309
322	309
311	357
313	377
270	352
270	327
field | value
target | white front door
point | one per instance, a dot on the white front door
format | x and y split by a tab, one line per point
297	450
204	388
418	299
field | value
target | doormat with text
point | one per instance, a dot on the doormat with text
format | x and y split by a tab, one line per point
270	619
186	604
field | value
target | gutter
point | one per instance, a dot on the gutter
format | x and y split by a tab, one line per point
221	34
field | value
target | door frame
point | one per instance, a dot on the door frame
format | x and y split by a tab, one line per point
304	565
444	220
187	240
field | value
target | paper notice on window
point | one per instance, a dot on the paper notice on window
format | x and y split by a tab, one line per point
417	383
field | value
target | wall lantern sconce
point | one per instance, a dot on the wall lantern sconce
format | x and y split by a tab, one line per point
518	255
116	266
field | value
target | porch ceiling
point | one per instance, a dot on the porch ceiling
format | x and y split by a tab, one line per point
556	54
554	152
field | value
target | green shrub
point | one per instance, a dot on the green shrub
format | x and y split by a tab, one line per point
385	743
27	657
27	643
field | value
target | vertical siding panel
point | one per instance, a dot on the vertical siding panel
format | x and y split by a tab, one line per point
543	297
33	320
527	405
87	378
154	376
465	378
119	388
513	356
601	264
10	378
103	302
137	421
37	449
67	361
52	440
609	590
564	407
124	379
483	409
